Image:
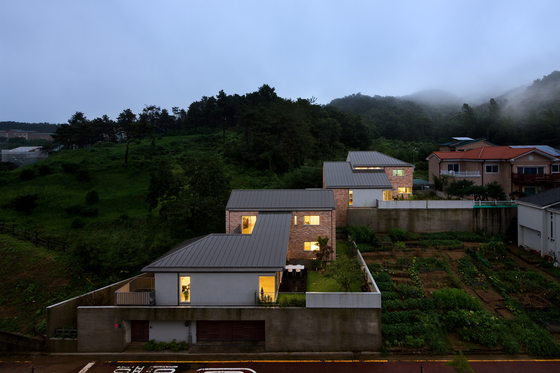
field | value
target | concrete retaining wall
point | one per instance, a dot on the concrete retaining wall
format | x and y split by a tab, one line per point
287	329
10	342
493	220
65	314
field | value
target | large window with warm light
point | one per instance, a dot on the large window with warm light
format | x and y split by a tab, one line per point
387	195
311	220
398	172
311	246
405	190
185	288
267	288
248	222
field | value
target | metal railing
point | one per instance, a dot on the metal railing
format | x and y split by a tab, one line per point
461	173
494	203
138	292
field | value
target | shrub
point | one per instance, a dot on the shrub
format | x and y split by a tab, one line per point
70	168
92	197
399	245
361	233
365	247
449	299
397	234
74	209
291	300
89	212
78	223
44	170
25	203
8	166
27	174
83	175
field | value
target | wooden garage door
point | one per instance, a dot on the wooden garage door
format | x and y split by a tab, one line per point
230	330
140	330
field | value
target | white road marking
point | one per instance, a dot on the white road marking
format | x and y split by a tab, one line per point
86	368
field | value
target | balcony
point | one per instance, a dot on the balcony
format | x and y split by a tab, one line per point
535	179
138	292
460	173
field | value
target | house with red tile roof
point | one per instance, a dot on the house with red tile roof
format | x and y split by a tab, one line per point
526	169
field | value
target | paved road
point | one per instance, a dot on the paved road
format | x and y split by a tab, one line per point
81	365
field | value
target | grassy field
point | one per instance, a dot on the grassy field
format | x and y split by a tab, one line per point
32	279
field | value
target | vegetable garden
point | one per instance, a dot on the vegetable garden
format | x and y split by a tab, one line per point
464	292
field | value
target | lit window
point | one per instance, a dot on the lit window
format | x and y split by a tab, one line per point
185	288
368	168
350	197
248	222
398	172
492	168
387	195
404	190
267	289
311	246
311	220
295	219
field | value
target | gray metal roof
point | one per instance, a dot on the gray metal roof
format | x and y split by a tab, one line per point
281	199
372	158
542	199
543	148
341	175
263	250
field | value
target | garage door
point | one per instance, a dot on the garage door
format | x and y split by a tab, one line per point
230	330
532	238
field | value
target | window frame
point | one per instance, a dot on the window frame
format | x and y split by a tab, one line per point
497	166
181	286
557	168
311	246
398	172
350	198
387	195
250	226
453	168
408	190
307	220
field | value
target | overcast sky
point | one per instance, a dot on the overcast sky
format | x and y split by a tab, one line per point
101	57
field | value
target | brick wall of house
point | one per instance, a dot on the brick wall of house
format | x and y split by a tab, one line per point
301	233
233	219
400	181
341	204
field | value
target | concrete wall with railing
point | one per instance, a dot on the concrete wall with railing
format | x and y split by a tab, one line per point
371	299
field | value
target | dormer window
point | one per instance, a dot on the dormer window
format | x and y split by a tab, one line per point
247	224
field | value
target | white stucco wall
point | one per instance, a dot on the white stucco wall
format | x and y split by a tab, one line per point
166	331
367	197
209	289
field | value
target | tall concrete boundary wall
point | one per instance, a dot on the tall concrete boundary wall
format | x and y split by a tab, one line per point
286	329
493	220
65	314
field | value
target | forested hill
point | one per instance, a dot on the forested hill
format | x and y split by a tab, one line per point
39	127
531	116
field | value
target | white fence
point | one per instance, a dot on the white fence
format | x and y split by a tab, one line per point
441	204
461	173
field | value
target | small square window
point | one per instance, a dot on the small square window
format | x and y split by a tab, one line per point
492	169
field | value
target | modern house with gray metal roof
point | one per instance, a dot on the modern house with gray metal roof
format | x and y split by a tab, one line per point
312	211
538	222
365	178
212	289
